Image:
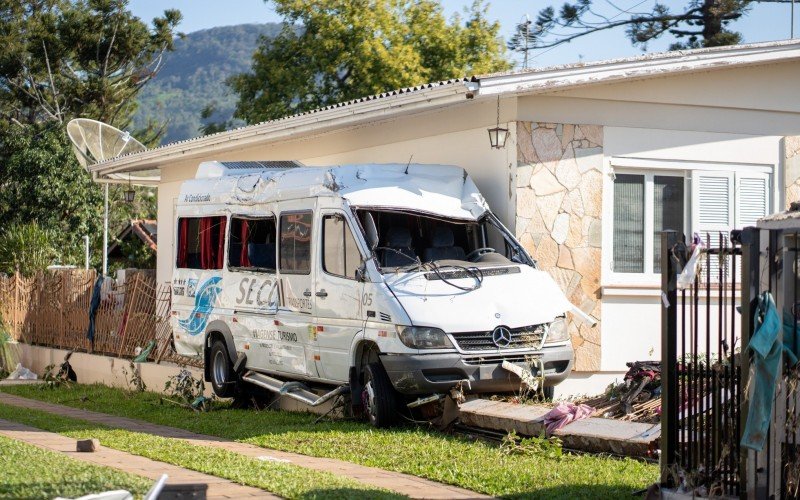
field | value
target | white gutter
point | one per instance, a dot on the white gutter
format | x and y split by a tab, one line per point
314	122
647	66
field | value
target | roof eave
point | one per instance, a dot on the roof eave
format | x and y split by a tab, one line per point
321	121
640	67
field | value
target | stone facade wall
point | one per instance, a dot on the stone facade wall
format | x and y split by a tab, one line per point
791	157
559	187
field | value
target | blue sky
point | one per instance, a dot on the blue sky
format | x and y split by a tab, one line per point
764	22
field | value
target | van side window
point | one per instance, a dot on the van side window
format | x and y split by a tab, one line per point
201	242
252	243
295	245
340	255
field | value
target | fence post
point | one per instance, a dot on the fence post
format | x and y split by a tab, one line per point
669	356
751	249
16	306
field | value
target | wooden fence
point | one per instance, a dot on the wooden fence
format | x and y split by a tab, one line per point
52	309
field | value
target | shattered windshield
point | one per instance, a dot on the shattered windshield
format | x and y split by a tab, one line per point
408	241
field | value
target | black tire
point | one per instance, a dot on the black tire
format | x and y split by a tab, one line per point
223	379
378	397
549	391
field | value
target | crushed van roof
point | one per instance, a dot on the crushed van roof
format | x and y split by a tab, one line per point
444	190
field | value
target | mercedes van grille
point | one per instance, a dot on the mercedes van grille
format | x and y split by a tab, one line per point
526	337
495	359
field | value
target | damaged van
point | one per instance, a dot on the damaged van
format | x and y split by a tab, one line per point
384	283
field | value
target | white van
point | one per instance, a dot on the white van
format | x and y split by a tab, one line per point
388	282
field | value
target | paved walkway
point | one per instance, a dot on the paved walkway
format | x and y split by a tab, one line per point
151	469
414	487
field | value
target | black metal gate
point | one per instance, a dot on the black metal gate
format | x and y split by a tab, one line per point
707	372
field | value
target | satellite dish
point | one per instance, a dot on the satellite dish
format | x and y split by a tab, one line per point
94	142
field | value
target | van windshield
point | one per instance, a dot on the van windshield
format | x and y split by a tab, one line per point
408	240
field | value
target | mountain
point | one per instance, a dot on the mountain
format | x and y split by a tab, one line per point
193	76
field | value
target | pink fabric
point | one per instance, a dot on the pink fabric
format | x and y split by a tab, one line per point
564	414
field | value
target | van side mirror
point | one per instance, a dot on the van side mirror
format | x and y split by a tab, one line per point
372	232
361	272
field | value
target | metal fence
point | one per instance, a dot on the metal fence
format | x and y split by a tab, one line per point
52	309
707	371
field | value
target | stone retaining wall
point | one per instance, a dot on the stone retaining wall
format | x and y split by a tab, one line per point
559	189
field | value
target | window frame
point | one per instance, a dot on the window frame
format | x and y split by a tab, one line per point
343	217
251	269
648	276
687	169
310	242
177	241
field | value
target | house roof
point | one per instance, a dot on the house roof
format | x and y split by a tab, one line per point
433	95
144	229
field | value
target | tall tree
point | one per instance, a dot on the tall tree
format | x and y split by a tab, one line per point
335	50
63	59
696	23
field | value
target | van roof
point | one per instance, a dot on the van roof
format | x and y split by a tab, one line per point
445	190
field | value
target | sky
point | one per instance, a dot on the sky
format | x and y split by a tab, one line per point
764	22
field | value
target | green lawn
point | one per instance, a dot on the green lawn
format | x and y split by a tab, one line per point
30	472
286	480
474	465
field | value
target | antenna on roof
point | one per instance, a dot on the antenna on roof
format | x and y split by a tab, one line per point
409	163
94	142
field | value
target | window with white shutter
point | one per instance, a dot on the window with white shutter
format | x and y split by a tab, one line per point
708	202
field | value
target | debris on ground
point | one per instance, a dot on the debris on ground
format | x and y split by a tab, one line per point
21	373
87	445
564	414
637	398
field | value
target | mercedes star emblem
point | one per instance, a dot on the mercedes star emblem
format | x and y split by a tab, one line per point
501	336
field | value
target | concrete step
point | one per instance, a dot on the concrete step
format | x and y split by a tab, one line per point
598	435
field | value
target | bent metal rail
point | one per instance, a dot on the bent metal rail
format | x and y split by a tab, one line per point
707	369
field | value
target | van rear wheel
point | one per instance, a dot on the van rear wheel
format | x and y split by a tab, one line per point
378	397
223	380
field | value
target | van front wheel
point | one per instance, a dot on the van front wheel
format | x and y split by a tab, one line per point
379	397
222	376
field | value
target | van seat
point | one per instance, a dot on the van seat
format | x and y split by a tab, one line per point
442	246
398	239
261	255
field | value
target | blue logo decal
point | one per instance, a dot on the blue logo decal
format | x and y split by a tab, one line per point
203	304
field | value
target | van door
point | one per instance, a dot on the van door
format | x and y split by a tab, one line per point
296	276
338	301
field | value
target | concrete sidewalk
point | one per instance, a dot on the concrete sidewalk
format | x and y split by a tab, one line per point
151	469
412	486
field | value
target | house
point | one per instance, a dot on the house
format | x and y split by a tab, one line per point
135	246
601	157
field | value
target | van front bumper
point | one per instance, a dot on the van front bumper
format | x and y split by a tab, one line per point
416	374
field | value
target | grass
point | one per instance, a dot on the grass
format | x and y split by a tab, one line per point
286	480
474	465
31	472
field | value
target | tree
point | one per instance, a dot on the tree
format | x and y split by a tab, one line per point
698	23
63	59
331	51
27	249
41	181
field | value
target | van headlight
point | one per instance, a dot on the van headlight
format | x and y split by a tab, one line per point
423	337
558	331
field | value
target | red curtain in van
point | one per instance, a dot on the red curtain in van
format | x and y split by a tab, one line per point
183	239
220	255
244	259
207	260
